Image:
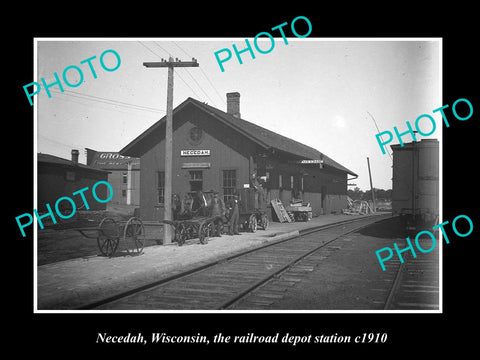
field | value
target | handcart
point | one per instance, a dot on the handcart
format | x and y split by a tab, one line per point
199	227
109	232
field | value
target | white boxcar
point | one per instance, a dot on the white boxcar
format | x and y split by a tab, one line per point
415	191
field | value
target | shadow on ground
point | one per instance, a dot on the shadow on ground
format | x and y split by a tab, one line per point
390	228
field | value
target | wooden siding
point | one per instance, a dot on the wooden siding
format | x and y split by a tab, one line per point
227	151
52	185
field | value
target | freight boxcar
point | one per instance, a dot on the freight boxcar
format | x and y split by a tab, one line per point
415	192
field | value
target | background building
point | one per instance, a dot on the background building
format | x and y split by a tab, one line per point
217	150
57	177
124	174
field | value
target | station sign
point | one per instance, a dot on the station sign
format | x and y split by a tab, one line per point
311	161
308	162
194	152
204	165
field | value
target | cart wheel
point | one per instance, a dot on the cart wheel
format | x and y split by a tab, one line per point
134	236
252	223
108	236
204	232
264	221
181	234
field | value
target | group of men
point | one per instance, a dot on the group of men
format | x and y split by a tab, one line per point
217	208
197	205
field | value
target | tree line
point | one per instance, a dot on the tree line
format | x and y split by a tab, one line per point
380	194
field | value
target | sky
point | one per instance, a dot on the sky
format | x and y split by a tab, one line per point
325	93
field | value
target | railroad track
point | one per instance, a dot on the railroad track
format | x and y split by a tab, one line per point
416	283
225	284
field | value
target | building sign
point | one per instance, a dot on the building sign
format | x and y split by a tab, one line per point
112	161
194	152
311	161
308	161
112	155
204	165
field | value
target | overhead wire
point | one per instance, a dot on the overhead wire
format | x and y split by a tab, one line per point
176	72
146	47
204	74
188	72
117	107
57	142
103	100
196	82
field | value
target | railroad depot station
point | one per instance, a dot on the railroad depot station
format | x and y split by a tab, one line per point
214	150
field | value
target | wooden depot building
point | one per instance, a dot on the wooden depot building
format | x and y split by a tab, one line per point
218	150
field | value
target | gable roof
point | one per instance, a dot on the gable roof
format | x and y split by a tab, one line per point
258	134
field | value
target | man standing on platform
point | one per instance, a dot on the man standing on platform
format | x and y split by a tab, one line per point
258	184
234	216
217	209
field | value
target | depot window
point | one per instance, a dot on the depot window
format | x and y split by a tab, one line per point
124	177
161	187
70	176
229	183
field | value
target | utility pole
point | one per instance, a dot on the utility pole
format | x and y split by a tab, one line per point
170	64
371	185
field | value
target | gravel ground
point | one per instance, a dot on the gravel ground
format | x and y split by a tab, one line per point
73	283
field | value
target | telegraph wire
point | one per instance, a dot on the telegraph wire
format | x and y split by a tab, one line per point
156	43
108	101
118	108
196	82
146	47
57	142
176	72
188	72
204	74
141	107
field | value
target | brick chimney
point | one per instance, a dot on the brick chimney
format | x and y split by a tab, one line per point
75	156
233	104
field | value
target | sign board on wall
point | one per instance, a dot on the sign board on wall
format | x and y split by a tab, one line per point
194	152
196	165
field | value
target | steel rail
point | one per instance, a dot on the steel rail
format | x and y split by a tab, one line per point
166	280
395	284
282	269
